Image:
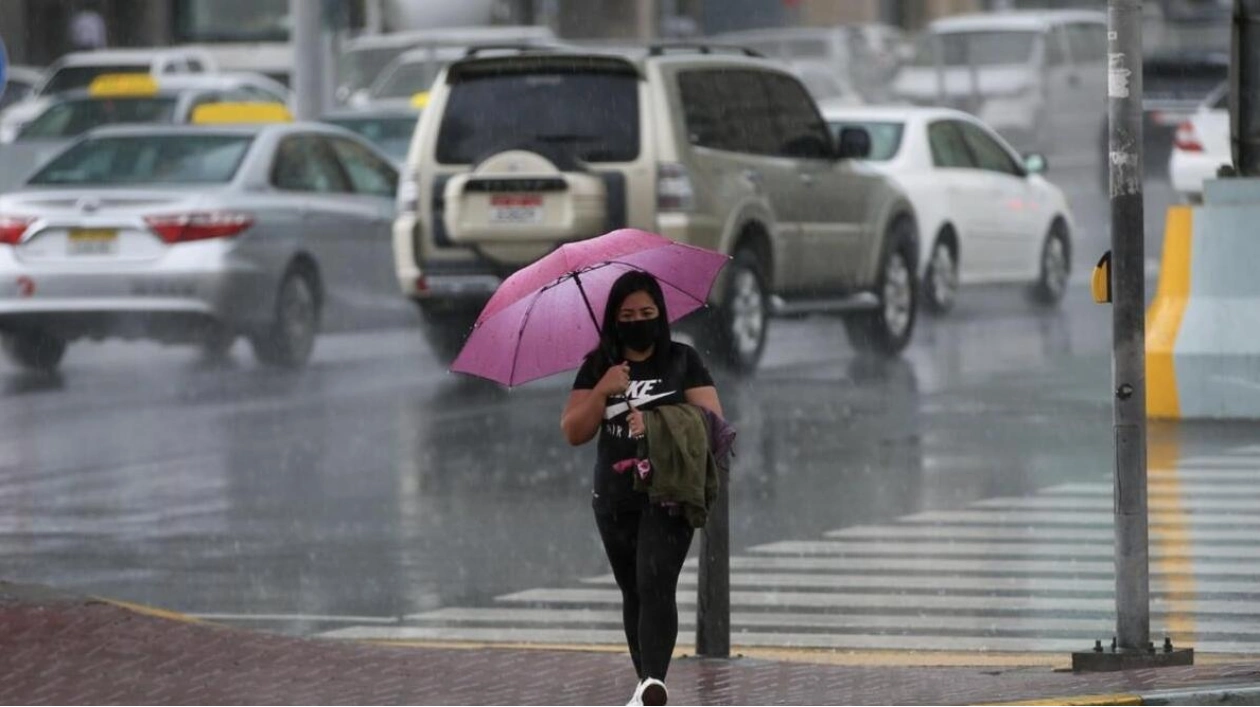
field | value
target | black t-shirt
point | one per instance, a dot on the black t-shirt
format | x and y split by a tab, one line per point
660	380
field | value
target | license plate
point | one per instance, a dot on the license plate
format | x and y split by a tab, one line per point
516	208
93	241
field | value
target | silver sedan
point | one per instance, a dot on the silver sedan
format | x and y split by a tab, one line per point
196	235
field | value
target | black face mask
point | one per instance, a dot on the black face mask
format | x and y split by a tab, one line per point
638	335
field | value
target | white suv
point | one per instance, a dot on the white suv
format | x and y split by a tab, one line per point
516	154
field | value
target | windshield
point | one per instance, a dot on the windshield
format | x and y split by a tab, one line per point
408	79
71	77
594	116
392	135
359	68
885	137
165	159
978	48
73	118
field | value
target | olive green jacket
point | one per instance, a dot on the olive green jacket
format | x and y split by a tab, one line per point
683	468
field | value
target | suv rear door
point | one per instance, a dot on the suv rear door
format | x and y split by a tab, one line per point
831	199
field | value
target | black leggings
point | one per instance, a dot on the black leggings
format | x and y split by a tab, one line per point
646	550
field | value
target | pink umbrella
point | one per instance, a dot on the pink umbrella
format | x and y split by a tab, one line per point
543	319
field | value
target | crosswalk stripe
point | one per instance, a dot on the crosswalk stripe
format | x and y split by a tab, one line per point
744	621
903	602
973	566
833	641
1201	474
1000	549
1180	488
889	532
993	516
1160	586
1105	503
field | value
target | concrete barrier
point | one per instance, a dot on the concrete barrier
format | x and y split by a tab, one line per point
1203	327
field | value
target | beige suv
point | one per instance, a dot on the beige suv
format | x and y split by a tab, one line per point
518	153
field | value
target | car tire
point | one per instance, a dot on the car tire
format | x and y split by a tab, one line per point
33	350
887	330
940	281
290	338
1055	266
738	325
446	329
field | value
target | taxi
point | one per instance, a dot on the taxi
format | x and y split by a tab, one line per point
113	99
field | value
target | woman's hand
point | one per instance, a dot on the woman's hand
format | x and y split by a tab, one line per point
615	381
635	419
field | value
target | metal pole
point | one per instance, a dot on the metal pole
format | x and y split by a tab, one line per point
1244	80
308	64
1128	325
713	596
373	16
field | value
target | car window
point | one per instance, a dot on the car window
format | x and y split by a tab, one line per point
147	159
801	130
988	153
368	173
406	80
72	77
1222	102
1088	43
304	164
728	110
1055	53
392	134
885	136
195	66
949	150
984	48
591	115
73	118
14	92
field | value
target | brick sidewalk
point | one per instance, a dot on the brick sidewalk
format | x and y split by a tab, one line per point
61	649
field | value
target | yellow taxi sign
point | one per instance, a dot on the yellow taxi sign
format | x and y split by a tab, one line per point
420	100
240	113
123	85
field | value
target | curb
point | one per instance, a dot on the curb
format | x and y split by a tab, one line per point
1209	695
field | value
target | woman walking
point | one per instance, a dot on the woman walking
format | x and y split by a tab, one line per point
637	367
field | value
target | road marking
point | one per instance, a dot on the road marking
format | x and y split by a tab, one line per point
1030	575
311	618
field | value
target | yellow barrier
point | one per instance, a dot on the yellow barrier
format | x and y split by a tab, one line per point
1163	319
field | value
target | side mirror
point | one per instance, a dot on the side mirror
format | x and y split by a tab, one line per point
1035	163
855	143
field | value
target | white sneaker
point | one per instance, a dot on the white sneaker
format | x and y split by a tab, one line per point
653	692
636	700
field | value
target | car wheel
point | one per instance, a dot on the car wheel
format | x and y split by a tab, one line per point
742	318
290	338
940	286
34	351
1055	268
886	330
446	329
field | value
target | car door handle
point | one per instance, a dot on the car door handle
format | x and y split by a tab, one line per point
807	179
753	176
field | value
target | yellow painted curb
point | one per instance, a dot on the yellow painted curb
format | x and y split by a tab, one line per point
1163	319
1120	698
152	611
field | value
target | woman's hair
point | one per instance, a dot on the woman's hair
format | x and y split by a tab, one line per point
610	345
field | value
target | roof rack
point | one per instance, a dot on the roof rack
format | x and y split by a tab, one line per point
478	49
662	48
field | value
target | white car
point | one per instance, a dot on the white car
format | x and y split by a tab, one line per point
1201	146
985	214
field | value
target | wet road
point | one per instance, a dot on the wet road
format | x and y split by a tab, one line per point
375	485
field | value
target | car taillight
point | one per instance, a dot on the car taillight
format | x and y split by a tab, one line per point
199	226
1186	139
12	228
673	188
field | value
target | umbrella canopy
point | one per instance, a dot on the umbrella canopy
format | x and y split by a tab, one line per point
545	317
